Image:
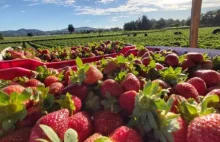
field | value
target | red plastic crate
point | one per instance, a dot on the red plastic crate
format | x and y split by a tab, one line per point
33	64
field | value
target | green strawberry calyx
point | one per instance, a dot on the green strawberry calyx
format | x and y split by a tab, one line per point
69	136
12	108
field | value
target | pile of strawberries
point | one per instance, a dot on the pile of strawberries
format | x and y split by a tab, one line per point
154	96
60	54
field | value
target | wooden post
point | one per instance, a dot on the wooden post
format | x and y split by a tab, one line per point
195	20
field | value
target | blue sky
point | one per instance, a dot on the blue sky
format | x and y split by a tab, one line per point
57	14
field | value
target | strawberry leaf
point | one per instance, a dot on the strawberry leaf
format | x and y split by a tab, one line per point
50	133
4	98
71	136
66	101
79	62
103	139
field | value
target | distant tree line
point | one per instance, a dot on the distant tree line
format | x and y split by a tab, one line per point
211	18
1	37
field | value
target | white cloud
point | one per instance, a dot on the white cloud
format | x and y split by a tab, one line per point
23	11
57	2
105	1
117	18
5	6
143	6
87	21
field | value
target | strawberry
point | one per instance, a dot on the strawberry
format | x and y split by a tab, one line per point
163	84
57	120
127	101
204	129
146	61
93	75
213	87
80	91
199	85
187	63
93	137
214	92
172	60
180	135
105	122
50	80
33	114
195	57
141	52
20	135
33	83
125	134
177	99
159	66
187	90
81	122
130	82
210	77
137	61
77	103
55	88
112	87
207	64
13	88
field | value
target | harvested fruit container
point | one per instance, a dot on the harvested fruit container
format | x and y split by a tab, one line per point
152	95
32	64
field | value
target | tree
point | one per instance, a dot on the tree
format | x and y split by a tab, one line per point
153	23
188	22
1	37
71	29
130	26
29	34
161	23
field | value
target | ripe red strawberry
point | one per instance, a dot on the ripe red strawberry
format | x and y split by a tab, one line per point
214	92
187	63
112	87
93	75
57	120
146	61
93	137
172	60
33	83
13	88
125	134
127	101
199	85
74	89
20	135
177	99
141	52
55	88
210	77
110	67
105	122
131	82
77	103
195	57
204	129
33	115
142	82
50	80
163	84
207	64
187	90
213	88
137	61
180	135
159	66
81	122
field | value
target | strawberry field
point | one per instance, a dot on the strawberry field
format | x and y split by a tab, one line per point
139	38
92	91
